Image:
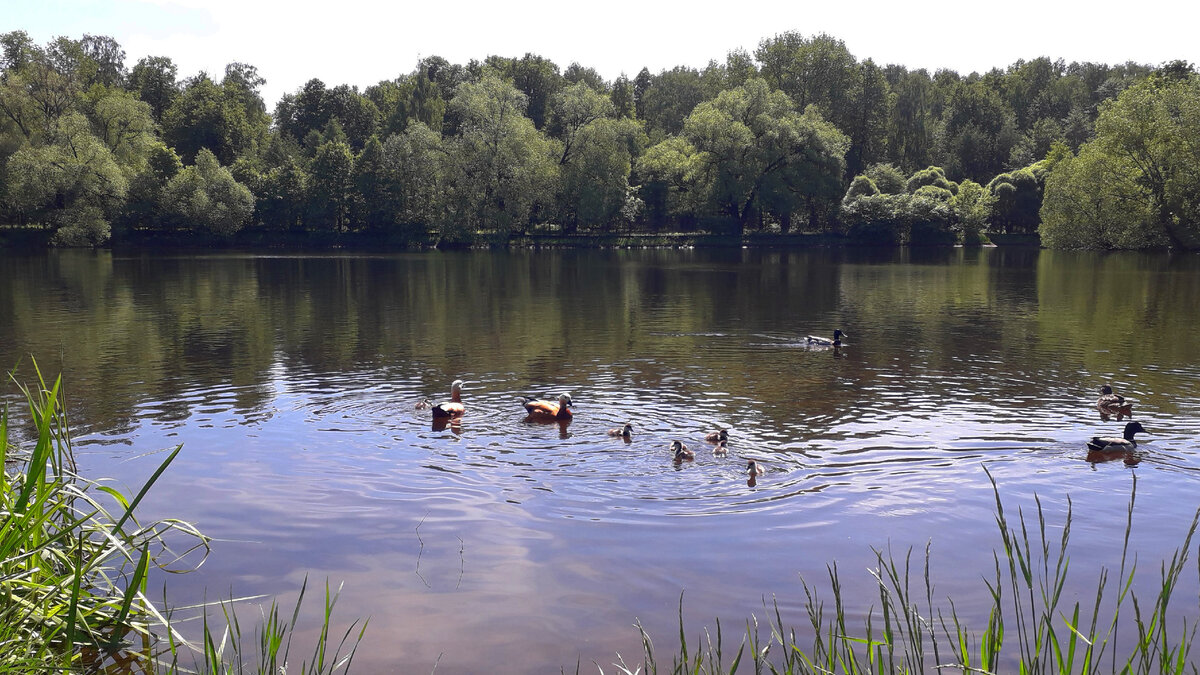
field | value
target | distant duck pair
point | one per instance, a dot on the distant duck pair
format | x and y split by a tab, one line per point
537	409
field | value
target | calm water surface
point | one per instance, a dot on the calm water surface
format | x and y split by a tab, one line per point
504	546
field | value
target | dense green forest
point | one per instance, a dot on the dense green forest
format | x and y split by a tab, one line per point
798	136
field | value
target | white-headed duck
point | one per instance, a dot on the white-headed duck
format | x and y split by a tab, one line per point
549	410
453	407
1106	444
626	431
681	451
1113	404
720	449
826	342
717	436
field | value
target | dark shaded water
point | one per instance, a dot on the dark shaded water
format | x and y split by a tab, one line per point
508	547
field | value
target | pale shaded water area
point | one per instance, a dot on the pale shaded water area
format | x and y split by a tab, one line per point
503	546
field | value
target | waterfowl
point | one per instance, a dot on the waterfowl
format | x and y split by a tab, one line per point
1105	444
548	410
1113	404
721	449
625	431
753	469
453	407
826	342
424	404
681	452
717	436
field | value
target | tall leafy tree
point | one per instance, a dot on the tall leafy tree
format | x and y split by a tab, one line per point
750	150
206	197
154	79
501	171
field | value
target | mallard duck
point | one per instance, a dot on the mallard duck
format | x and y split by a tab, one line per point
826	342
548	410
453	407
753	469
1113	404
720	449
625	431
681	451
1106	444
717	436
423	404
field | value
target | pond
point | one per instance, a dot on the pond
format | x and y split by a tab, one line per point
500	545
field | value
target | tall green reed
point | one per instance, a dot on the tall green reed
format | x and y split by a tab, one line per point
74	564
1028	629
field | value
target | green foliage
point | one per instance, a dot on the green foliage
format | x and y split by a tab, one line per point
595	177
331	187
1134	185
933	175
751	152
206	197
153	79
73	559
413	167
973	205
206	115
71	182
1018	199
501	172
887	178
1092	201
861	186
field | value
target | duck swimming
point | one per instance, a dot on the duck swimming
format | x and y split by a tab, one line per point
548	410
826	342
681	452
1113	404
717	436
1105	444
720	450
453	407
626	431
753	469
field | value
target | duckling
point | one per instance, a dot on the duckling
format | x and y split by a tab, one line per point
754	469
681	452
1113	404
826	342
423	404
548	410
721	450
719	436
1105	444
625	431
453	407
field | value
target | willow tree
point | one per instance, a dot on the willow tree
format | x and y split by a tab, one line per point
749	151
1136	182
501	172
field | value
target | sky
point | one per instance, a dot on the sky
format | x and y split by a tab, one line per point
361	42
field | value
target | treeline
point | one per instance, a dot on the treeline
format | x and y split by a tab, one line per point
799	136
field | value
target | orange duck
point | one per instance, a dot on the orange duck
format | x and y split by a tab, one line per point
540	409
453	407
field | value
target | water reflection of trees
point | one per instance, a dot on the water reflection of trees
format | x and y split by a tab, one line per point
180	330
